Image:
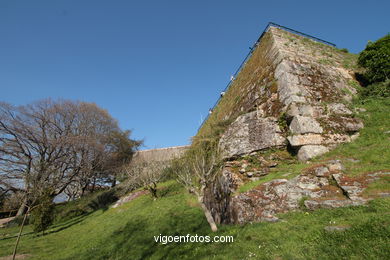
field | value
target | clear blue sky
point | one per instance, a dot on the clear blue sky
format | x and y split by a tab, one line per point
156	66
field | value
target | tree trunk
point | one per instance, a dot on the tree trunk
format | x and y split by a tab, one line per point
23	208
153	190
113	183
19	235
93	184
208	215
83	190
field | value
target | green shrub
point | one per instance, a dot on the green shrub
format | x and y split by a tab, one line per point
86	204
380	89
103	200
375	58
42	215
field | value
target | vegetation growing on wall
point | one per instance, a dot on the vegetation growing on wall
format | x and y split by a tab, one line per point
256	73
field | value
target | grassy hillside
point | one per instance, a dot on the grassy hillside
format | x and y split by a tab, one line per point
127	232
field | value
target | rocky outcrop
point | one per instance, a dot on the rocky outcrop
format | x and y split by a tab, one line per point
321	186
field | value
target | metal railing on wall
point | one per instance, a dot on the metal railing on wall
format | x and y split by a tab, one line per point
252	49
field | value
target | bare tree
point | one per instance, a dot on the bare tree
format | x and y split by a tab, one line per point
145	174
195	171
51	144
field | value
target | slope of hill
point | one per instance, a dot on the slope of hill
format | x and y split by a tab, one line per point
127	232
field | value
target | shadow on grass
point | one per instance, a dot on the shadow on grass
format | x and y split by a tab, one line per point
70	221
170	190
54	228
16	235
103	200
136	240
61	226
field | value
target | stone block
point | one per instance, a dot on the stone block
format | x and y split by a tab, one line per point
305	125
317	139
339	108
249	133
308	152
321	171
298	109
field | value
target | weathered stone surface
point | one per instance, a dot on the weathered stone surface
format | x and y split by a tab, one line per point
352	188
289	87
335	166
249	133
308	152
346	124
321	171
352	125
336	228
160	154
339	108
299	109
265	201
318	139
295	85
288	84
304	125
276	196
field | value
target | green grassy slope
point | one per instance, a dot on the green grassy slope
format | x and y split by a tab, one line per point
372	148
127	232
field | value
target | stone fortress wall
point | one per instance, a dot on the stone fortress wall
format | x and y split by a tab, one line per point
294	94
160	154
